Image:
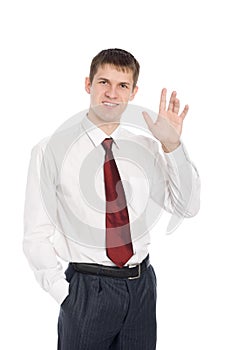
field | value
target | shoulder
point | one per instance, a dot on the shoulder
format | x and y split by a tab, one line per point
150	143
40	146
60	140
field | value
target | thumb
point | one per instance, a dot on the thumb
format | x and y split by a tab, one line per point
148	120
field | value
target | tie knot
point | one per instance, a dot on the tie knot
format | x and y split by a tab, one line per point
107	144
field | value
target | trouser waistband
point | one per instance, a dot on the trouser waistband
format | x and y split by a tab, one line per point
130	272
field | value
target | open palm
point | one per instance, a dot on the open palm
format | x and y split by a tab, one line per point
168	126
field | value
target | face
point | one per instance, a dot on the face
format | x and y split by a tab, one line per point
110	92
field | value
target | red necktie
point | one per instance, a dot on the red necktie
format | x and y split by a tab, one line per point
118	240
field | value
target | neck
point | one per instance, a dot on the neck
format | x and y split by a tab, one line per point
106	127
109	128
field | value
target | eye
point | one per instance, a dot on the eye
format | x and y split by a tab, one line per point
103	82
124	86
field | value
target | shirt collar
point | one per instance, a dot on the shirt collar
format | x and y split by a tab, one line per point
96	135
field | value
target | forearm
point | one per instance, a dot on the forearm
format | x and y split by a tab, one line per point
183	184
43	261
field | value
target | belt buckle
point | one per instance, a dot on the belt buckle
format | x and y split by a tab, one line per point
139	272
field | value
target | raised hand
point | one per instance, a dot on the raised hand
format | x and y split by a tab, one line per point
168	126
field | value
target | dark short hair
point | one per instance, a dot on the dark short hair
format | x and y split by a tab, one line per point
119	58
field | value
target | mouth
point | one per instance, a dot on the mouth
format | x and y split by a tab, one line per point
110	104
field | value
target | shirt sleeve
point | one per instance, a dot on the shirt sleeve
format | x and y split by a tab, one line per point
39	225
181	183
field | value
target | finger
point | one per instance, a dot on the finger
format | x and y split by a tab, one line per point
162	105
184	113
172	101
148	120
176	106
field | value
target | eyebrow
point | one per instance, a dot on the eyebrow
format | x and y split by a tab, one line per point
122	82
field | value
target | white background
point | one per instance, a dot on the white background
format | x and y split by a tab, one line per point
46	49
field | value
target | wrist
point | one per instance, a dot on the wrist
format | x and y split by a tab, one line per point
170	147
59	290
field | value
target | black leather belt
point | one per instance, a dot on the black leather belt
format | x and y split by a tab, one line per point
130	272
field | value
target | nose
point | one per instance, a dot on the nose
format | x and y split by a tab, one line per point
111	92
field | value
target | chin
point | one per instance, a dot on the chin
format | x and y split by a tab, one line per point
109	116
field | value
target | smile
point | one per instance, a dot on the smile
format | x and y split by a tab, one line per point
109	104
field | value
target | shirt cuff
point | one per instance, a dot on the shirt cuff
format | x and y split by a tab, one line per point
59	290
178	156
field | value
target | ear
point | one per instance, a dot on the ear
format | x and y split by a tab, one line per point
88	85
133	93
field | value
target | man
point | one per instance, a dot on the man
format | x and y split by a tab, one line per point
88	202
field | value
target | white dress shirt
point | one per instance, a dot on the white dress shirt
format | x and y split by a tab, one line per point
65	197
